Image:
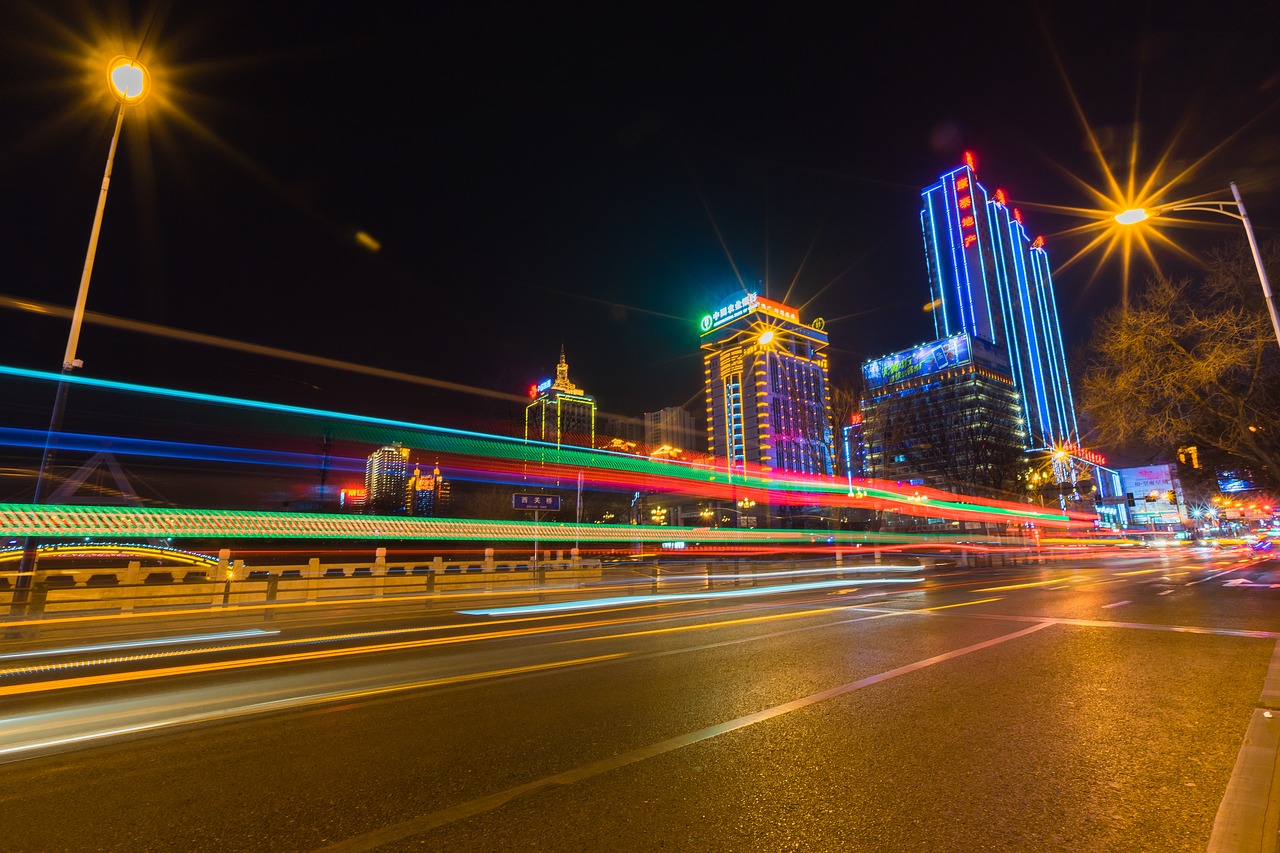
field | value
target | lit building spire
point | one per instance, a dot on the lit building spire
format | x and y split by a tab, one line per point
562	382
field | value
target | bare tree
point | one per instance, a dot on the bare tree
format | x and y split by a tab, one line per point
844	404
1192	364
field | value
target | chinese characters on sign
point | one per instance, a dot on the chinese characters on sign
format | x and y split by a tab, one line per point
540	502
921	361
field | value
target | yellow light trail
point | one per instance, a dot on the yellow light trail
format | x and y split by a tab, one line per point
307	701
1027	585
361	635
32	307
949	606
223	666
746	620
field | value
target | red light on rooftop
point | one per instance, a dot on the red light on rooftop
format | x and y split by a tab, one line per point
1001	198
1017	214
971	161
1038	243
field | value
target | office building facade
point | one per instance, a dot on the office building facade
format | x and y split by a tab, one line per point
766	387
672	427
946	415
386	481
430	493
989	279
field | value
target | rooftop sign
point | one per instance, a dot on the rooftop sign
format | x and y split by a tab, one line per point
742	305
921	361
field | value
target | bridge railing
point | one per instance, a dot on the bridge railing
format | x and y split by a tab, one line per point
233	585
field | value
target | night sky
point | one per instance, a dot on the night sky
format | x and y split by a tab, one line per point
541	175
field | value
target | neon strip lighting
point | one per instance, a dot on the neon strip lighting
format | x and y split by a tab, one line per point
124	446
55	521
966	295
1052	350
701	479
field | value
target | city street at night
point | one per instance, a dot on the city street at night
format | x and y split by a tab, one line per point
1097	703
495	427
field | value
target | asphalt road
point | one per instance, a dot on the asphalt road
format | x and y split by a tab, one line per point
1093	705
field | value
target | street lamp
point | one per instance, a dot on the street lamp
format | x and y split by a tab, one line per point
1136	215
130	82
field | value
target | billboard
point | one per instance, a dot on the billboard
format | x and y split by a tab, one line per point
742	304
1156	493
921	361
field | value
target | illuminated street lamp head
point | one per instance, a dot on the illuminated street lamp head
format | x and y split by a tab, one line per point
1131	217
766	338
130	81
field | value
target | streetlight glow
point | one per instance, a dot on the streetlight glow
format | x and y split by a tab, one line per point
1136	215
129	80
1130	217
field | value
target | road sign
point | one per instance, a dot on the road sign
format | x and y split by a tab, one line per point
549	503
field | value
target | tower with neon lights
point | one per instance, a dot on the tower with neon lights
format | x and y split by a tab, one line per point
560	412
988	278
766	387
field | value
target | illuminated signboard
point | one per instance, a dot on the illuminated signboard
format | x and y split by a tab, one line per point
535	390
352	497
964	200
777	309
921	361
739	307
743	305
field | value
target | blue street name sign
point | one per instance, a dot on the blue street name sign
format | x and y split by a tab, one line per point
547	502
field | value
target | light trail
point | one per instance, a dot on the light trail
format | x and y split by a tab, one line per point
596	603
525	615
135	644
1018	585
563	462
949	606
745	620
296	702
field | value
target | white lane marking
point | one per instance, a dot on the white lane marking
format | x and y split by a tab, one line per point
1117	604
426	822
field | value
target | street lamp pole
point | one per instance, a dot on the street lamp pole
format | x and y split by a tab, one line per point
129	83
1257	261
1130	217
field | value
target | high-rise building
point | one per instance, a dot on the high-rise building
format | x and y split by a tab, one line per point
945	414
386	480
612	429
430	493
991	280
767	393
671	427
561	413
